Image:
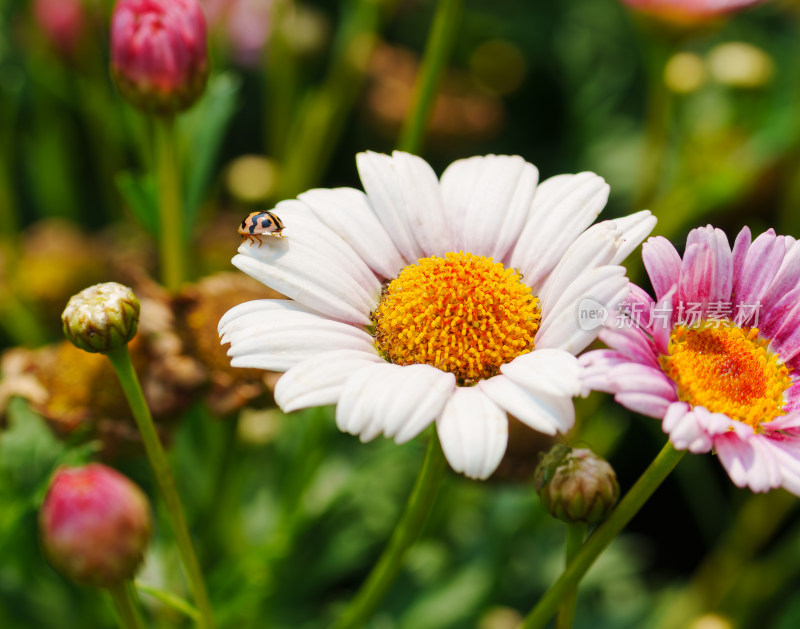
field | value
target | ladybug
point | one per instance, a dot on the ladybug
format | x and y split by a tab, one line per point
260	224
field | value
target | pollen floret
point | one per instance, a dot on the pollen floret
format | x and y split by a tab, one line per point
727	369
461	313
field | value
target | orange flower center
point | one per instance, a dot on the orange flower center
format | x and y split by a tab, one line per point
462	313
727	369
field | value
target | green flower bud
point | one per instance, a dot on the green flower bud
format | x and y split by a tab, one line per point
576	485
102	317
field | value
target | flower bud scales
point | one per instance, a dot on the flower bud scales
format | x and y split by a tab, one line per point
576	485
101	318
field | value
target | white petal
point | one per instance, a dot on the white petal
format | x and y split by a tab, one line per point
487	200
348	213
313	266
406	196
473	431
561	327
276	334
391	399
563	207
431	388
593	248
551	371
605	243
543	412
319	380
633	229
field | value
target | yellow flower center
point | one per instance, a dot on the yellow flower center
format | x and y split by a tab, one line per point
462	313
727	369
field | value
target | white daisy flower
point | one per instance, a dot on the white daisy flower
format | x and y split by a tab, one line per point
452	301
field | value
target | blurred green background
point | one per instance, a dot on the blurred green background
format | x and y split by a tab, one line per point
697	124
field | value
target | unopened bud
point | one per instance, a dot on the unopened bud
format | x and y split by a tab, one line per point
576	485
159	53
102	317
95	525
64	23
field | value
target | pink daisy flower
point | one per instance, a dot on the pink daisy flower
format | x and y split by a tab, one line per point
715	356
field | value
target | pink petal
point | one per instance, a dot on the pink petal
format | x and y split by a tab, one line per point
787	278
633	343
663	264
639	307
792	395
631	377
740	247
644	403
748	462
761	264
707	269
786	451
662	320
595	366
790	421
782	326
685	428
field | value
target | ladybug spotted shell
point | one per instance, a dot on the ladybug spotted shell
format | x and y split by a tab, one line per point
259	224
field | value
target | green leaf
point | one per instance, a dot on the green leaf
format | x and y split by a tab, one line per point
140	193
452	602
28	451
202	130
168	598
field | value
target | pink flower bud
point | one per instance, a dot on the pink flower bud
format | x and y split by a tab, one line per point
159	53
246	25
62	21
688	12
95	525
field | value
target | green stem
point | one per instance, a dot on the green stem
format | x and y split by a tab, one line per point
121	360
170	600
170	205
628	507
405	534
576	534
126	608
659	111
420	501
437	52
